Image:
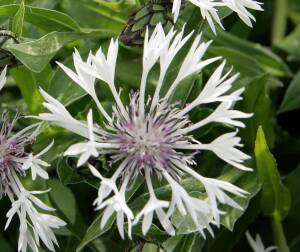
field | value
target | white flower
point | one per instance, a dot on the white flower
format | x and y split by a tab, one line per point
154	205
14	162
116	203
34	163
34	226
192	63
153	139
199	210
3	77
209	10
257	244
85	149
240	7
60	116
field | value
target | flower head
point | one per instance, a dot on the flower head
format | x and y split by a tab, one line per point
209	10
153	138
15	160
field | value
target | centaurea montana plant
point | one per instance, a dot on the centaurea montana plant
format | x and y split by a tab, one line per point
209	10
153	137
15	161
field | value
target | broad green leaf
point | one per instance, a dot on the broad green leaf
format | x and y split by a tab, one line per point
36	54
43	18
266	59
28	82
17	23
275	198
67	93
63	200
91	14
291	99
242	62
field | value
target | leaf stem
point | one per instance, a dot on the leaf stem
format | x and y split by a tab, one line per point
278	233
279	21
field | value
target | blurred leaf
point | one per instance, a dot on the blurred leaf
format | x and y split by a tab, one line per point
264	58
291	99
63	88
292	183
275	198
244	63
66	174
63	200
256	100
28	82
91	14
17	23
184	243
43	18
291	44
4	245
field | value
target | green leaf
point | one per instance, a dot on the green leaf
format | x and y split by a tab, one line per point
291	44
90	14
36	54
275	198
46	19
184	243
292	182
67	93
257	101
266	59
242	62
17	24
28	82
63	200
291	99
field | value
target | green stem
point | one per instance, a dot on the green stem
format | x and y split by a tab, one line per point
280	20
278	233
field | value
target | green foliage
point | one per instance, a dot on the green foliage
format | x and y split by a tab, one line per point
17	23
48	30
275	198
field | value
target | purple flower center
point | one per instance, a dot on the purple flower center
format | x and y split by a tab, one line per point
148	141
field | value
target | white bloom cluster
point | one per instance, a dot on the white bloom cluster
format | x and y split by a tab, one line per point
14	162
153	138
209	10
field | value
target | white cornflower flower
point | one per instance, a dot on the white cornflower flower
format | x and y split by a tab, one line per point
14	162
209	10
257	244
154	139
